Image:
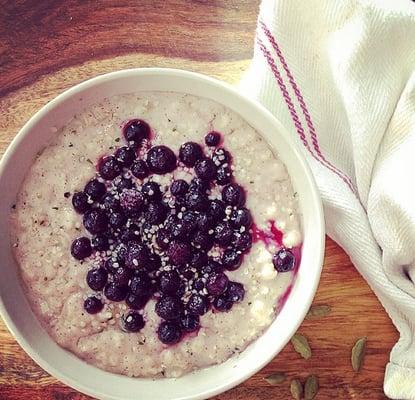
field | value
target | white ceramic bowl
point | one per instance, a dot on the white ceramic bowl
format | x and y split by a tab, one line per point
203	383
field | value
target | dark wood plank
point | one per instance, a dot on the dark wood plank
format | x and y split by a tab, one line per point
39	37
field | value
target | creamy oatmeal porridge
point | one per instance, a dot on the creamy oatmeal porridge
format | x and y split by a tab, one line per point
159	247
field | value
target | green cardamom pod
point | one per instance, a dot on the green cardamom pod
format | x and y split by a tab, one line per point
301	345
276	378
310	387
358	354
296	389
318	311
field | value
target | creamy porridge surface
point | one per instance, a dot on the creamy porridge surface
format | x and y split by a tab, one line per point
44	224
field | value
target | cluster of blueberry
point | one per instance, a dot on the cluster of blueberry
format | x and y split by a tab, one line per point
156	242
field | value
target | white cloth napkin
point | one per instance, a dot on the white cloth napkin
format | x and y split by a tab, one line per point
340	75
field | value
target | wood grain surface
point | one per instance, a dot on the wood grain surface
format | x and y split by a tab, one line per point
48	46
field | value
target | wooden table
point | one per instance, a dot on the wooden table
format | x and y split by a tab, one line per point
48	46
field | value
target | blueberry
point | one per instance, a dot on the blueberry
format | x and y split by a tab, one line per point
155	213
93	305
202	240
114	292
197	304
190	221
179	230
179	187
134	227
179	253
117	219
223	234
153	262
151	190
205	221
169	307
217	283
80	202
125	156
233	195
190	323
220	157
212	139
198	185
197	201
122	276
169	332
137	255
129	234
235	292
170	221
136	131
95	189
242	241
231	259
133	322
182	289
123	184
163	238
131	201
161	160
140	283
211	267
187	273
169	282
97	278
136	302
111	264
222	303
110	202
189	153
100	243
140	169
199	259
223	175
241	217
283	260
120	252
81	248
205	169
180	202
216	210
109	168
198	284
95	221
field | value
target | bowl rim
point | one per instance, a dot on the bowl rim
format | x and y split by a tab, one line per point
320	229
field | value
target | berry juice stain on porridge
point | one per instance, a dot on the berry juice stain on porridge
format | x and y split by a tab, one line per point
157	234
